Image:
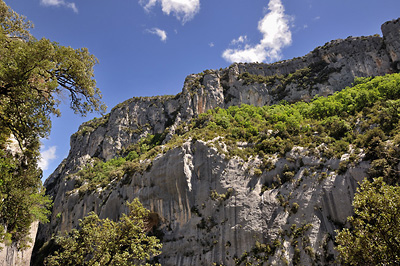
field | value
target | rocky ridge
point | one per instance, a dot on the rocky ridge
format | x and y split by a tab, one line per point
212	208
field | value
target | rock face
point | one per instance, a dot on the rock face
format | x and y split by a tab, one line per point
215	209
10	255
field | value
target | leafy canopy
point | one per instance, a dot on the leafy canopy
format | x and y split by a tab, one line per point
34	72
374	236
33	75
105	242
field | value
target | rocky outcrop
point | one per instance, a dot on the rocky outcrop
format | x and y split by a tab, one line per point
391	32
215	209
10	255
327	69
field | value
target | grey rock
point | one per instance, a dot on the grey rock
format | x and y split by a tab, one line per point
391	33
199	229
10	255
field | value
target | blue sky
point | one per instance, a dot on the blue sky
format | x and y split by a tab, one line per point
148	47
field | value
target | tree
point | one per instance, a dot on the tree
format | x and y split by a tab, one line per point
33	74
22	199
105	242
374	236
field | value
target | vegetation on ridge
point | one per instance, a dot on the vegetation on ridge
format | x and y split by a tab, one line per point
360	119
363	117
316	73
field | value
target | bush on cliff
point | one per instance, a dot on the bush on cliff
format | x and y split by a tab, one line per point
374	236
363	116
105	242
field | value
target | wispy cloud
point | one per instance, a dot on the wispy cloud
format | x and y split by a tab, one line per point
211	44
240	40
46	156
276	35
183	10
59	3
160	33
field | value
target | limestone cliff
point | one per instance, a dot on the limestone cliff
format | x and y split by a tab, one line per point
214	208
10	255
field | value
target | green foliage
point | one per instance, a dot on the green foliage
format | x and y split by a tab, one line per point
33	74
345	118
105	242
93	124
366	93
22	198
101	173
297	232
257	171
259	254
147	143
13	24
374	236
295	207
221	197
364	116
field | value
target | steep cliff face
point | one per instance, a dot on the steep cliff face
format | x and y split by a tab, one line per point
213	208
10	255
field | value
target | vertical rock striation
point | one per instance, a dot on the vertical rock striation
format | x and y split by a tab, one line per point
213	209
10	255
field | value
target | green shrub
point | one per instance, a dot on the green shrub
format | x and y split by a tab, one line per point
257	172
295	207
365	115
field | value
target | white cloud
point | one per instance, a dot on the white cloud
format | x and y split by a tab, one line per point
183	10
160	33
211	44
276	35
52	2
72	6
46	156
60	3
241	39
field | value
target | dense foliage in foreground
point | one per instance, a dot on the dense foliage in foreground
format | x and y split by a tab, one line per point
33	73
374	238
105	242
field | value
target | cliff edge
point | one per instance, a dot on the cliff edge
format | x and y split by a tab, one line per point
214	208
